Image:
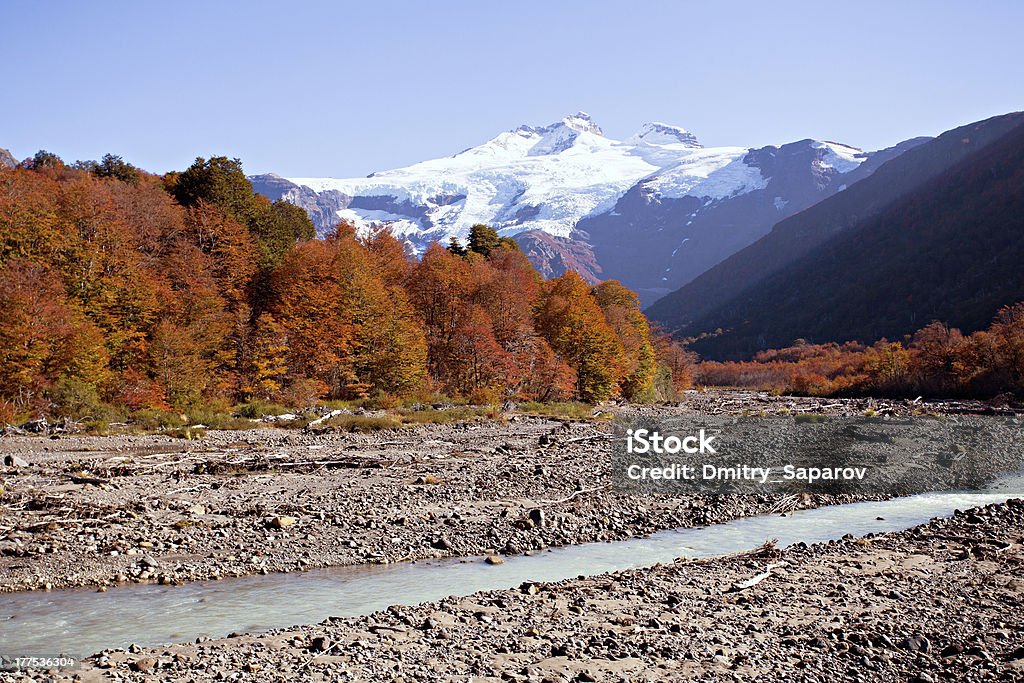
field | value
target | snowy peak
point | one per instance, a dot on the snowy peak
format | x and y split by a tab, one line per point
550	178
560	136
530	141
581	123
656	133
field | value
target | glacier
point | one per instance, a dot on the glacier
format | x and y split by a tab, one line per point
544	178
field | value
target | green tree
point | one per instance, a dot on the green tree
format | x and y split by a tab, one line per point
482	239
455	247
277	226
44	159
112	166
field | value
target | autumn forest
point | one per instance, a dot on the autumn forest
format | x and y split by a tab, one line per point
129	291
123	291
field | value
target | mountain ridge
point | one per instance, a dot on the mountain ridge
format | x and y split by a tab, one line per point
559	178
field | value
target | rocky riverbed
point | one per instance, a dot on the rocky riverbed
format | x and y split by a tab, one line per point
103	510
97	511
940	602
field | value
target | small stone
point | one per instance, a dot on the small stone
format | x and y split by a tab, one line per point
494	559
148	561
427	480
951	650
319	644
917	643
143	664
537	516
441	543
197	510
282	522
15	461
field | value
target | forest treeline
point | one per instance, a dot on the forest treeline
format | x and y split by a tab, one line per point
126	289
936	361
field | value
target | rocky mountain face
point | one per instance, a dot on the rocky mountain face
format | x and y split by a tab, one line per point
658	243
933	234
7	160
654	210
322	207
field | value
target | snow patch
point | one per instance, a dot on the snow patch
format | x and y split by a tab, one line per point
713	173
840	158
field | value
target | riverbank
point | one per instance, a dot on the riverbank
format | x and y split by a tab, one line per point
942	601
100	511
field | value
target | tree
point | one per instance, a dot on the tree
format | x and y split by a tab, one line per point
455	246
178	363
111	166
621	309
440	288
43	337
29	223
572	322
231	248
43	159
388	258
221	181
934	351
482	239
285	225
265	364
1008	330
888	365
318	330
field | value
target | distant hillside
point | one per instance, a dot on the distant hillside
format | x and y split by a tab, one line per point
853	268
690	309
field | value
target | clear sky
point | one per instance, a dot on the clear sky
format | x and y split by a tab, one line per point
331	88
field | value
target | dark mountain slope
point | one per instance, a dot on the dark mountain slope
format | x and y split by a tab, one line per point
657	244
690	310
952	250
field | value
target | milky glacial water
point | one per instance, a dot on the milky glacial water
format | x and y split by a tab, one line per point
82	621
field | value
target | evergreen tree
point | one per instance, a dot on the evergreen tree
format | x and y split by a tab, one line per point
483	239
455	247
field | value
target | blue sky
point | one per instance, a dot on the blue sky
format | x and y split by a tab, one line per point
343	89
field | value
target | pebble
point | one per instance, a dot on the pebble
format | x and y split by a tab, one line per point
282	522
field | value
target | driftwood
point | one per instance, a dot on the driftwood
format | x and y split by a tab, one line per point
593	437
756	579
85	479
573	495
766	549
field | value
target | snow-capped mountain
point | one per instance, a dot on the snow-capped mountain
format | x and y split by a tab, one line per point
546	185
